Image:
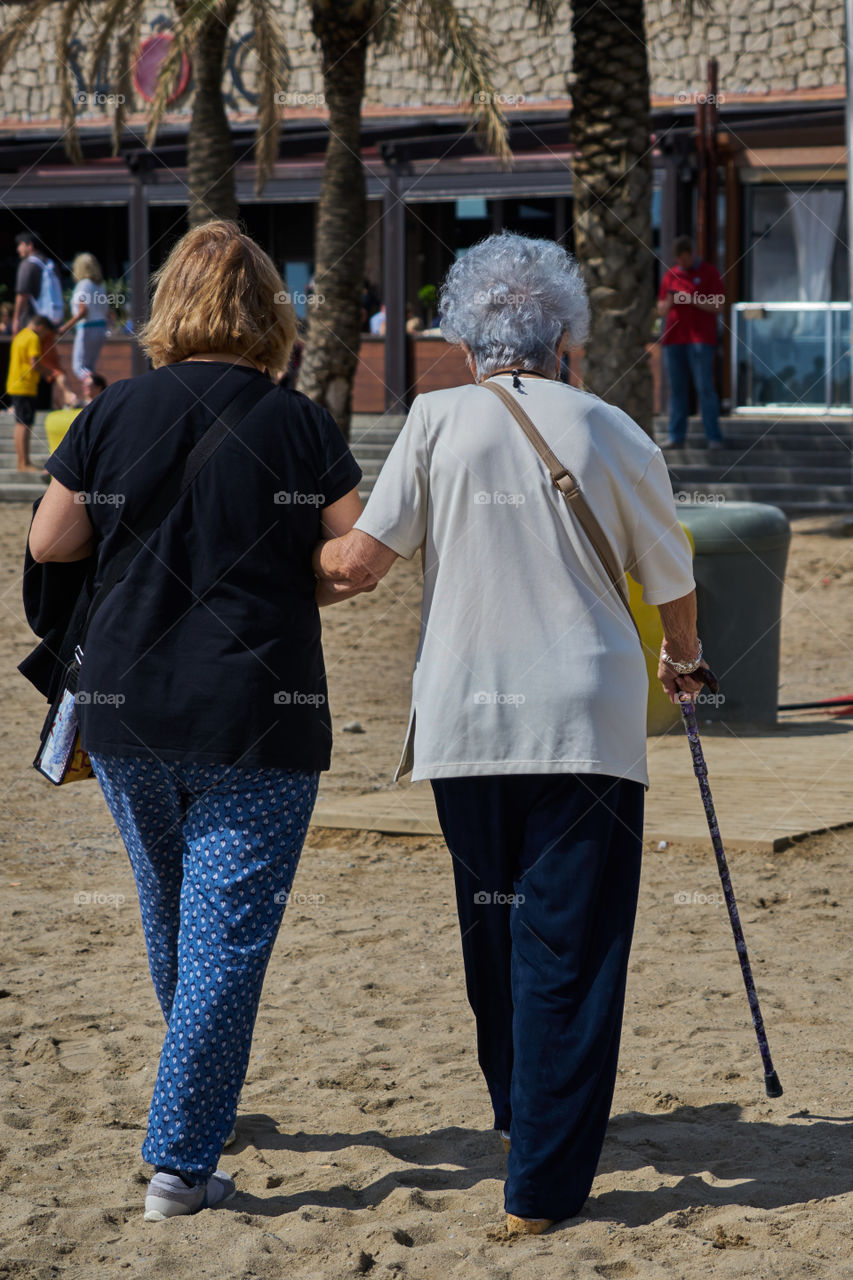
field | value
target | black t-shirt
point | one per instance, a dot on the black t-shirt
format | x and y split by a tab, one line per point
208	649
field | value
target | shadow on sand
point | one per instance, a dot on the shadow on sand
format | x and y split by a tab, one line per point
766	1165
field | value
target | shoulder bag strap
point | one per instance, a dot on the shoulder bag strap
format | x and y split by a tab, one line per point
568	486
162	502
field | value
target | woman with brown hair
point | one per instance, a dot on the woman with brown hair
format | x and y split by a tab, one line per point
202	694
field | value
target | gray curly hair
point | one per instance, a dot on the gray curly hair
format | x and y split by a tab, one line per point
511	298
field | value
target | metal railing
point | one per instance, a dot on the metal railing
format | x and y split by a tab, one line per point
791	357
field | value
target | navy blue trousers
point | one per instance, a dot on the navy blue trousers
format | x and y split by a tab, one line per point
547	870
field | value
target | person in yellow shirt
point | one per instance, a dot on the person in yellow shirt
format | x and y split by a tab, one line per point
22	382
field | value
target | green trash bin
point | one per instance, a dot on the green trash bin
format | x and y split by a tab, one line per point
739	566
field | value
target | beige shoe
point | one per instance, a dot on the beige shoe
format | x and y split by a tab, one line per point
505	1139
527	1226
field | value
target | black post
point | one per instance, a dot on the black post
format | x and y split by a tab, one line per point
138	242
394	292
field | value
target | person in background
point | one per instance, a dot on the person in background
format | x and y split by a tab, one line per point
27	279
690	298
22	383
414	324
90	311
369	302
377	322
6	313
50	359
93	385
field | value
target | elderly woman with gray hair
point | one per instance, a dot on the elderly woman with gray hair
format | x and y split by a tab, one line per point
529	693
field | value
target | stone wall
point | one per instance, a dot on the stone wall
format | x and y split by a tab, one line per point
760	44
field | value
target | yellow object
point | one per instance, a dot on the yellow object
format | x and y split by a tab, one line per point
22	379
56	425
661	714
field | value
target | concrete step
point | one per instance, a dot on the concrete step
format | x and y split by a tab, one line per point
830	455
778	446
769	425
11	475
818	497
370	466
744	473
362	420
20	491
365	452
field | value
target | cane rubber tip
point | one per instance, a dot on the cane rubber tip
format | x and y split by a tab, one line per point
772	1085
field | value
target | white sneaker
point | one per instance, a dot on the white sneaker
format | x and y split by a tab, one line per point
169	1196
232	1137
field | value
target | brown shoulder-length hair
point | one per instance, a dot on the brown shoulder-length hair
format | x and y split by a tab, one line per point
219	291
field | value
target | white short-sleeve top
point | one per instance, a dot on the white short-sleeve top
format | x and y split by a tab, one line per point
95	298
527	660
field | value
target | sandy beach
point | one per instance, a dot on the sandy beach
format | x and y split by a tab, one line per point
364	1145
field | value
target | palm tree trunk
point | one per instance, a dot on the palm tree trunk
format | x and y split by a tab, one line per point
210	147
334	330
612	182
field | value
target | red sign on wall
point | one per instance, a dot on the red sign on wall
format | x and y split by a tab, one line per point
150	56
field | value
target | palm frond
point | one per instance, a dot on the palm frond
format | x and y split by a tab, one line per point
273	76
19	27
454	45
67	112
111	18
127	42
190	17
546	11
165	82
385	31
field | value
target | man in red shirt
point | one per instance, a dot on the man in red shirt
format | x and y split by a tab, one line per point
690	296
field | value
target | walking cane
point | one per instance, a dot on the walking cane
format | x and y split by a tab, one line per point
688	713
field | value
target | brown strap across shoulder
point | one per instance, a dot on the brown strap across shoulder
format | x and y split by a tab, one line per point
568	486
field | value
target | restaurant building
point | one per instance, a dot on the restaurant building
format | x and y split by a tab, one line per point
772	142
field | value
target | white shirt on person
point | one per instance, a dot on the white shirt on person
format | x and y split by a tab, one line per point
95	298
527	660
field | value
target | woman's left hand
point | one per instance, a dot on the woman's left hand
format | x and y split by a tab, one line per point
679	688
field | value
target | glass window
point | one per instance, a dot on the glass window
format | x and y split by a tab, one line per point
795	243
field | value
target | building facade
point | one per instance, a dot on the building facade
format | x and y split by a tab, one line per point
775	224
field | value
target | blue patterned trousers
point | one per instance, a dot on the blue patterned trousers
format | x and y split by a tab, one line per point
214	849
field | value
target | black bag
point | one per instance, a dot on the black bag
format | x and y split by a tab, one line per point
61	757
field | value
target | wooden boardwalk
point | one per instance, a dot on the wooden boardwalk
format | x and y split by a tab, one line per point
770	787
